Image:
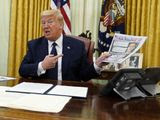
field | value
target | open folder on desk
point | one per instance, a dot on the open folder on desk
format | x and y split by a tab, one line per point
29	87
73	91
41	88
33	102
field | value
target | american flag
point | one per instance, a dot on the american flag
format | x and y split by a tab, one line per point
64	6
108	19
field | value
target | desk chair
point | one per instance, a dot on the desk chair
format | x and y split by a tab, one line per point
89	46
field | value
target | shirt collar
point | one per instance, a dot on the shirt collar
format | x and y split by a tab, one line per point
58	42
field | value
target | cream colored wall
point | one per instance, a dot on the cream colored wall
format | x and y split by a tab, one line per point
4	34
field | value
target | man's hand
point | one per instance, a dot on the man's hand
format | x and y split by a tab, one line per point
50	61
99	62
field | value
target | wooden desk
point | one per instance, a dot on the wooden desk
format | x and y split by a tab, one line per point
107	75
93	108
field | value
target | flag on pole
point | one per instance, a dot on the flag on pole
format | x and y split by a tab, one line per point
64	6
112	21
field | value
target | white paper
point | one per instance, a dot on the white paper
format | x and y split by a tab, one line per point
4	88
4	78
41	103
7	97
33	102
29	87
123	46
73	91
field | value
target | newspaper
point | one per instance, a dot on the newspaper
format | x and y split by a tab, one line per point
123	46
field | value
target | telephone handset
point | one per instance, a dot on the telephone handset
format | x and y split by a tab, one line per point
128	83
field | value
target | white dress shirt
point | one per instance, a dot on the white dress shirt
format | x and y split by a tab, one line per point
59	48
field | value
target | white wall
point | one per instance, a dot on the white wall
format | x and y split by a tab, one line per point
4	34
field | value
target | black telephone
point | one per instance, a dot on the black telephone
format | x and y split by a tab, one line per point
127	82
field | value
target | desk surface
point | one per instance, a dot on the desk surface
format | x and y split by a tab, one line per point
93	108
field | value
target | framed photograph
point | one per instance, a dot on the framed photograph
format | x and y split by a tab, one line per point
135	61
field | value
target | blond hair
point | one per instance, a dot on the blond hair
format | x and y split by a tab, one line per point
56	13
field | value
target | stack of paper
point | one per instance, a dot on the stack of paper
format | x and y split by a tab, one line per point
4	88
6	98
33	102
28	87
40	88
3	78
15	97
69	91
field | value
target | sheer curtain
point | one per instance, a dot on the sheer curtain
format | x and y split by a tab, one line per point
85	15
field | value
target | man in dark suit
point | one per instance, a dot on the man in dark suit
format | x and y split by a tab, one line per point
69	60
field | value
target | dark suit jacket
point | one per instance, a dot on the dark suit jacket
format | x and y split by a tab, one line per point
74	61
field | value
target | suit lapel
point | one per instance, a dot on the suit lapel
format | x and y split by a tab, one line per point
43	48
67	49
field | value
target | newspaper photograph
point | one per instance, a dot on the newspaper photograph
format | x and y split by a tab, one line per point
123	46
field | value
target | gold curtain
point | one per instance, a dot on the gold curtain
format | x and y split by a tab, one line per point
143	18
24	26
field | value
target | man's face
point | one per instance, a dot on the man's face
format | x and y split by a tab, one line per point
51	27
131	47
